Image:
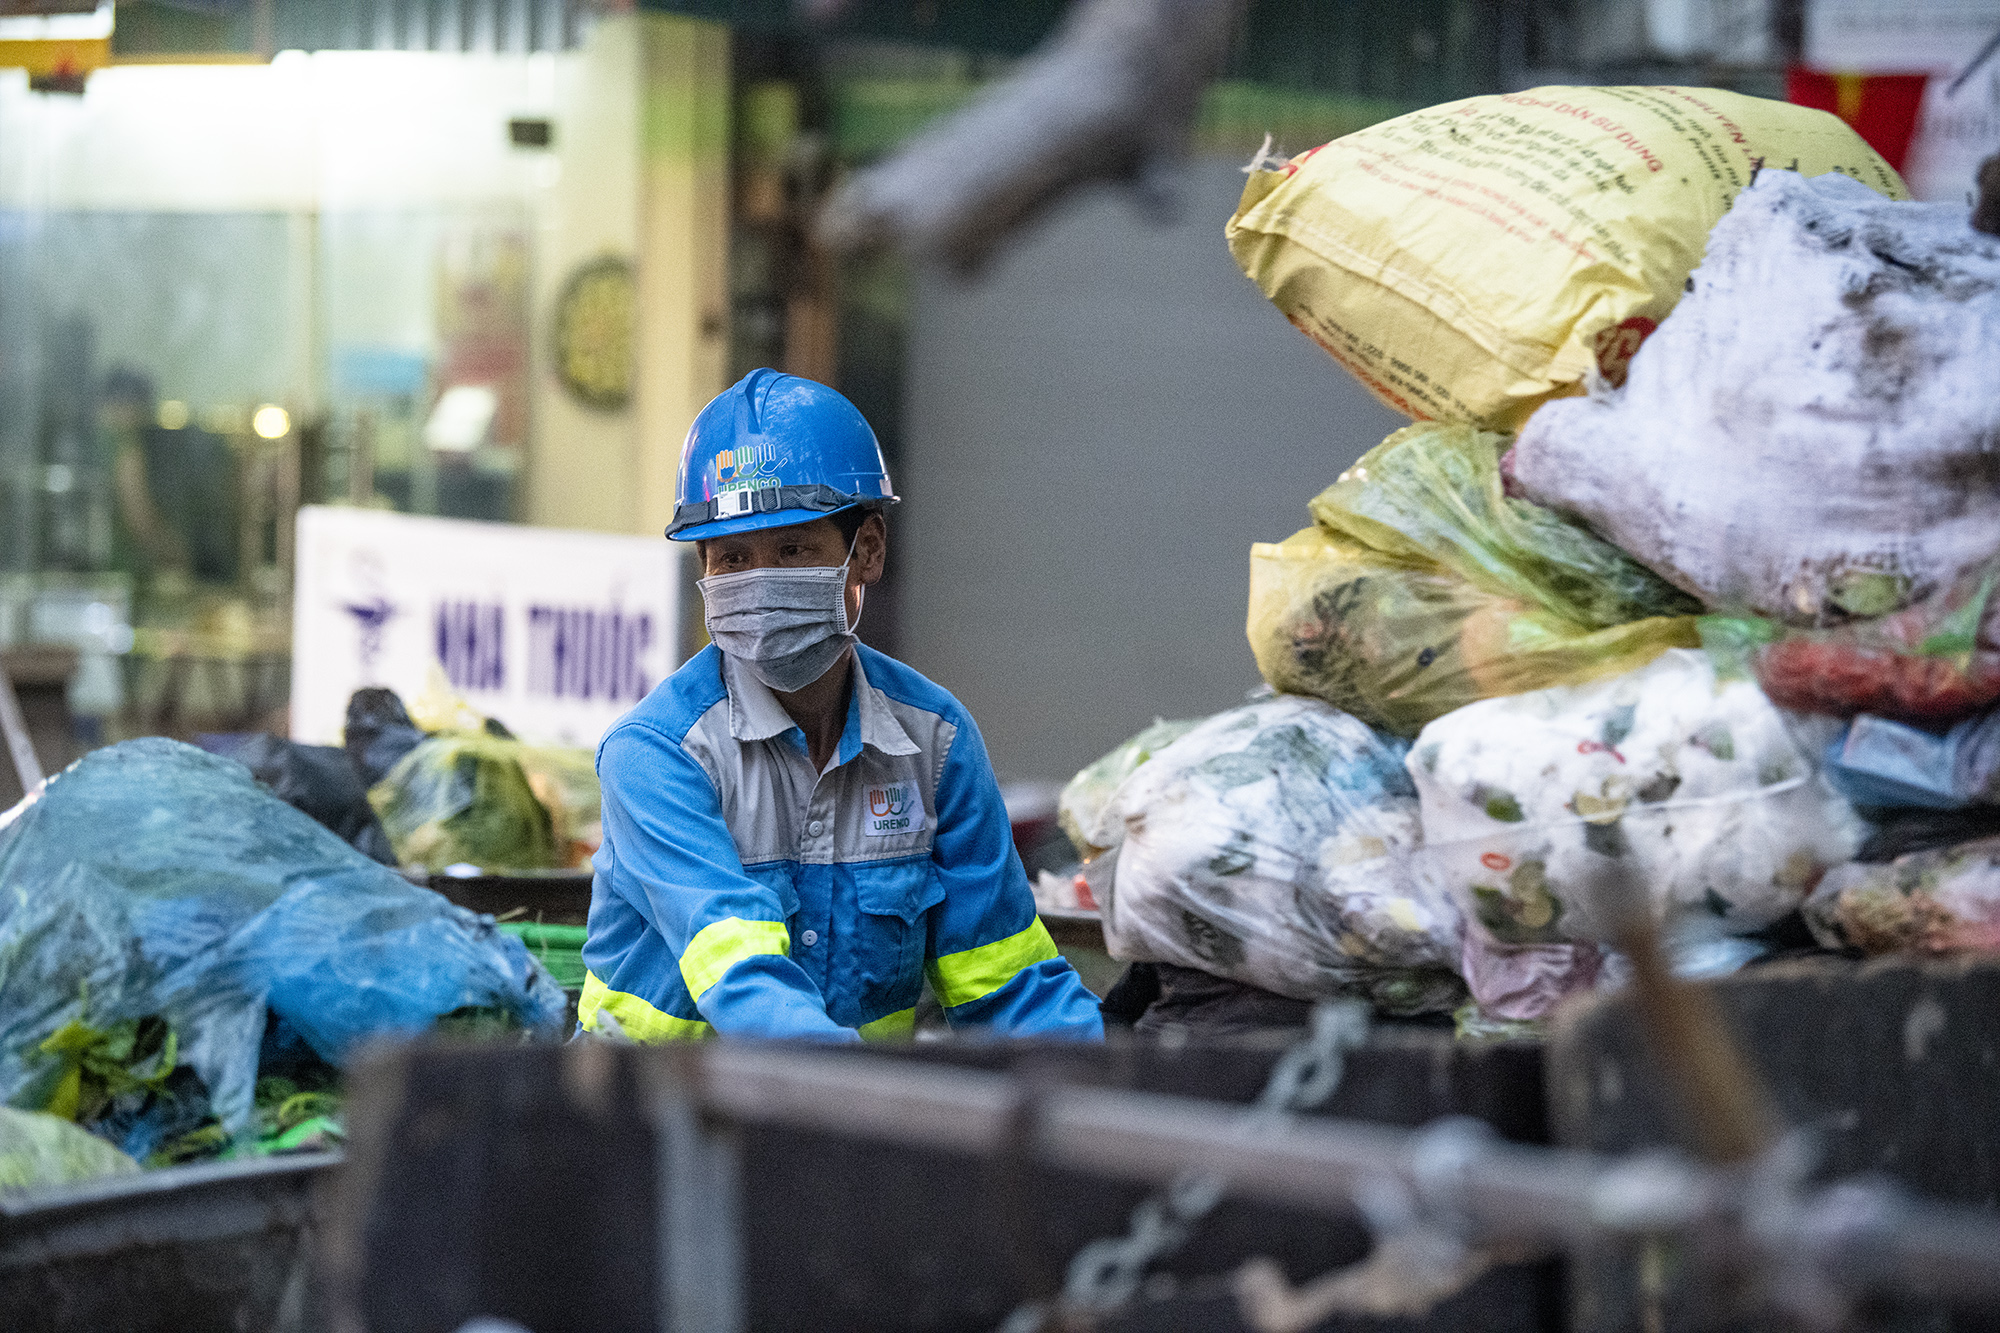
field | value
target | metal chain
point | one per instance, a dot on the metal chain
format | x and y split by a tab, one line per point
1106	1273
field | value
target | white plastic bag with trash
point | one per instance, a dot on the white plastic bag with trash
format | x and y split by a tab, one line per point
1081	805
1701	787
1815	430
1271	844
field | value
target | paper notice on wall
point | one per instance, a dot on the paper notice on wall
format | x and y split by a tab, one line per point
554	633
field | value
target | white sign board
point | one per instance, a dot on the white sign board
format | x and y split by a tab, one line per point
554	633
1958	130
1897	36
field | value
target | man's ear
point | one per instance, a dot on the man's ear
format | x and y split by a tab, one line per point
871	547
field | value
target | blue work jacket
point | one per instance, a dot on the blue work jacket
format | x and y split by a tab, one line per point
740	892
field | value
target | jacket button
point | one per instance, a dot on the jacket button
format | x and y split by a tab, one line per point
809	938
816	828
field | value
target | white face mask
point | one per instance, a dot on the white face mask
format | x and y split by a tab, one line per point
788	626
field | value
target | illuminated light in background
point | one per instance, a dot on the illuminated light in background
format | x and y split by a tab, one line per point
462	419
271	422
173	414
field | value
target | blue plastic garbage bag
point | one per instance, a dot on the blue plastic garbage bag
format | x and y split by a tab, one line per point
151	878
1879	762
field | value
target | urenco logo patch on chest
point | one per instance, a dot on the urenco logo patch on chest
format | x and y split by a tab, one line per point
893	808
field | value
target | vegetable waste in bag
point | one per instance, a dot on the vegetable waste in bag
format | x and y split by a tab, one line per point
1083	798
1468	261
1425	587
1699	786
1928	664
1434	492
1932	902
564	781
1810	435
157	906
1270	845
462	799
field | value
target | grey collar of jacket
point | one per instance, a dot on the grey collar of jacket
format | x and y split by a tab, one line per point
756	715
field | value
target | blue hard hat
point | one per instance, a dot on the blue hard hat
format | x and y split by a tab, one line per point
773	450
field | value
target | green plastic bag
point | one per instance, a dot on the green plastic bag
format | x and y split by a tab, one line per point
1399	643
1432	493
463	799
1425	587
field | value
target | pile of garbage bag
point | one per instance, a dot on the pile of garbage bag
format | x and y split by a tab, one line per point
1684	579
463	792
169	929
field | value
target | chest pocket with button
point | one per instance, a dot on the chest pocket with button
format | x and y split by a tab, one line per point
884	957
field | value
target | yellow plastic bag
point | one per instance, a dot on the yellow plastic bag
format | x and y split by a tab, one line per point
1469	261
1398	643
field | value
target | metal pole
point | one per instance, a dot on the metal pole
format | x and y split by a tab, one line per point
27	766
700	1214
1868	1235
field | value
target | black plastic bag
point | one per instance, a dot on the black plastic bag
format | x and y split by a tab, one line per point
317	779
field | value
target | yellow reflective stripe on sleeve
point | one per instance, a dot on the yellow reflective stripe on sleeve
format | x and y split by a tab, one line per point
636	1019
721	945
899	1026
974	974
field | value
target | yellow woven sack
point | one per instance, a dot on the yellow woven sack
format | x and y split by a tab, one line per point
1469	261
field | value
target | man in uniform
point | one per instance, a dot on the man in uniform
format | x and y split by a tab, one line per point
797	828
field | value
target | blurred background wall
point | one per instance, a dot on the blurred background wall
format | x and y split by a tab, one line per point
1096	431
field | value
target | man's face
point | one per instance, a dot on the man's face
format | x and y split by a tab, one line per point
797	546
804	546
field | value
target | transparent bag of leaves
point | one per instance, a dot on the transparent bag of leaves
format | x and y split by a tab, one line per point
1272	844
1705	793
465	799
564	780
1433	493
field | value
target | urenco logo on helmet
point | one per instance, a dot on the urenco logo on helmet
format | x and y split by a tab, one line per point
743	466
893	809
